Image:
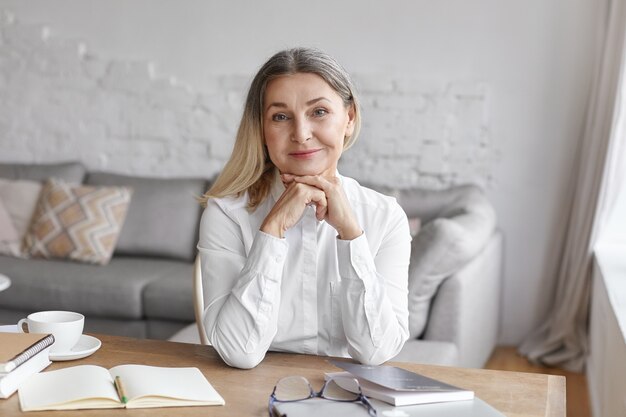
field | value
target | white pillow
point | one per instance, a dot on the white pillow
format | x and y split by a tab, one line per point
7	230
445	245
19	198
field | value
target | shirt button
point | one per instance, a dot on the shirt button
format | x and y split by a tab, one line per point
278	259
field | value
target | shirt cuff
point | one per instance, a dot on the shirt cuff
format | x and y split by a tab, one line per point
267	256
355	258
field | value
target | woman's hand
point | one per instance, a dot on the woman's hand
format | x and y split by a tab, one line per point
337	211
290	206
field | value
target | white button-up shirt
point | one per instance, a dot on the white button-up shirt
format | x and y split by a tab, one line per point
309	292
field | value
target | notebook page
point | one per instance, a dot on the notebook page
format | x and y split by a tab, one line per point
67	385
181	383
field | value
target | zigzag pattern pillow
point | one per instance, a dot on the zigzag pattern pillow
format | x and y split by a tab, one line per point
77	222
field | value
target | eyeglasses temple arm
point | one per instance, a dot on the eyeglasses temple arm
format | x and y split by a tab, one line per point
370	408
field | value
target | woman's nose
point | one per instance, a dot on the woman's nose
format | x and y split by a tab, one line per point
301	131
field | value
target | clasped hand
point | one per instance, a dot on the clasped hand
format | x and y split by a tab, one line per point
331	205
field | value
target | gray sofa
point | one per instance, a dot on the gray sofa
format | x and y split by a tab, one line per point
146	289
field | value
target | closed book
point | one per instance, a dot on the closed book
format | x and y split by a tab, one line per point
398	386
12	381
316	407
17	348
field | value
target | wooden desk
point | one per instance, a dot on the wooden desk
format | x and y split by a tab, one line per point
246	392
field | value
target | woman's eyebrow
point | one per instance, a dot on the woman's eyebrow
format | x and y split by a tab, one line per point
277	104
308	103
315	100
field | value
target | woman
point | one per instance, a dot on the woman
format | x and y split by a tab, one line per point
295	256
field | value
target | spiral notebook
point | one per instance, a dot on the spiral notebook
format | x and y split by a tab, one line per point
17	348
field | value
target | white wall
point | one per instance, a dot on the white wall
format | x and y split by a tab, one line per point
534	56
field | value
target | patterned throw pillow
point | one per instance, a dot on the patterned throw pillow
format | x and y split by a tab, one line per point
77	222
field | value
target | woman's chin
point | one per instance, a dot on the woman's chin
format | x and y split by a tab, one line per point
301	172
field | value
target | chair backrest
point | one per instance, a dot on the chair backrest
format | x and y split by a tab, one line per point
198	300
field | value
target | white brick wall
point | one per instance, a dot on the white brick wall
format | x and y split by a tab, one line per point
60	101
423	132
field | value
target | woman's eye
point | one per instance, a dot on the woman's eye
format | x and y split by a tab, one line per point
279	117
320	112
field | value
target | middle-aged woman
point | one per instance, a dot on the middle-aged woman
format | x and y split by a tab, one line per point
296	257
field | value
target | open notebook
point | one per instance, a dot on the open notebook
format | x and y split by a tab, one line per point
90	387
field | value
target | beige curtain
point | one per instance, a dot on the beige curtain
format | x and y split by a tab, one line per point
562	338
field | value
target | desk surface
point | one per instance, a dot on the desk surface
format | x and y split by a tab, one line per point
246	392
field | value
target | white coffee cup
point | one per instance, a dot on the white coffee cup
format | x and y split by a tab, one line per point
66	326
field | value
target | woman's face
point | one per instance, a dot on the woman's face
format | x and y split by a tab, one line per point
304	123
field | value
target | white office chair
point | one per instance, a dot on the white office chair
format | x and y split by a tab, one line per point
198	300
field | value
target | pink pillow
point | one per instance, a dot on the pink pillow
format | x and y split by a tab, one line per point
415	223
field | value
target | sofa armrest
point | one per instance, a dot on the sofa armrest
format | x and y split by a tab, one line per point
466	308
460	231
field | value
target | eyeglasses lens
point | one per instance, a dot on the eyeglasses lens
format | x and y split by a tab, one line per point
292	388
340	388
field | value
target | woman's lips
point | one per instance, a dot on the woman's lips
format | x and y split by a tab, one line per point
309	153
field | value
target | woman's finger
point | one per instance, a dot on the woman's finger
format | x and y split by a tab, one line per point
321	206
320	212
287	179
317	196
315	181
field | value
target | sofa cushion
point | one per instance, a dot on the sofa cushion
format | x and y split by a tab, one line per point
72	172
77	222
19	198
163	216
461	227
430	352
170	297
115	290
188	334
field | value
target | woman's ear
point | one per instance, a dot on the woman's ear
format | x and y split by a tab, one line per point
351	120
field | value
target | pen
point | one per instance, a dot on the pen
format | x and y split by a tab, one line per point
120	390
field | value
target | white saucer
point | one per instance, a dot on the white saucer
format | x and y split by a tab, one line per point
86	346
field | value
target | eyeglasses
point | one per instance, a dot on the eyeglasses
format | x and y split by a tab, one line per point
298	388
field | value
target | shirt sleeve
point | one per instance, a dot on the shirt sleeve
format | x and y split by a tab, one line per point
241	291
374	291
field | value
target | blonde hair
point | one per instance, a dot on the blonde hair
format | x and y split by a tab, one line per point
249	167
